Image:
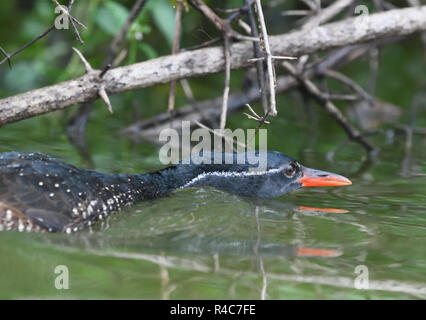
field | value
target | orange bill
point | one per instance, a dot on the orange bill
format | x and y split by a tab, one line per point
330	210
314	252
318	178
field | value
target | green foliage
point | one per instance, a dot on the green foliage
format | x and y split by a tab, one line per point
374	230
111	16
174	2
148	50
164	18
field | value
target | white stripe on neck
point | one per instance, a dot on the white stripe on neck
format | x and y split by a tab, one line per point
230	174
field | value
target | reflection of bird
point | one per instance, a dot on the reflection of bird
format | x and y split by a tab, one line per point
39	193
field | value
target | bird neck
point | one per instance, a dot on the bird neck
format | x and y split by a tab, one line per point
165	181
227	175
158	183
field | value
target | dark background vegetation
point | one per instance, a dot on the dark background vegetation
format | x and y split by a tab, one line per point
401	73
383	227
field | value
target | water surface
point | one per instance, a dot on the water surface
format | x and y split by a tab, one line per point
208	244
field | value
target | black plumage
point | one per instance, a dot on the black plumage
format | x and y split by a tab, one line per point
40	193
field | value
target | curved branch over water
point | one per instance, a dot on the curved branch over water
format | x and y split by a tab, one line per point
210	60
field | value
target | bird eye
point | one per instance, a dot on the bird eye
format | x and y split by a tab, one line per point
290	170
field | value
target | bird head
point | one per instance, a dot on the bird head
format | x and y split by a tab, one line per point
257	174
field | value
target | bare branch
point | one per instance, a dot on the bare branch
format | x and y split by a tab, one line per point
295	13
209	110
392	23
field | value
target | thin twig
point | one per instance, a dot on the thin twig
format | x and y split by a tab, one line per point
77	34
210	110
175	49
107	67
202	45
268	57
119	38
67	11
312	4
244	25
351	84
261	120
274	58
254	115
105	98
327	14
48	30
257	54
77	137
339	96
70	4
101	90
220	24
9	56
227	55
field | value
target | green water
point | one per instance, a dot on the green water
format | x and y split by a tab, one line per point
204	243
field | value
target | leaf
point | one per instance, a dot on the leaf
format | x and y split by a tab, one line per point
24	76
164	17
174	3
111	17
148	50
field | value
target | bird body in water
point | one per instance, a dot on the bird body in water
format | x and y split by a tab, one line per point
40	193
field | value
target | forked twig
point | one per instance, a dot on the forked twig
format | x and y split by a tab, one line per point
48	30
218	22
255	116
67	11
101	91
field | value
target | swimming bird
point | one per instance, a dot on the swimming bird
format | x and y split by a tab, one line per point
40	193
